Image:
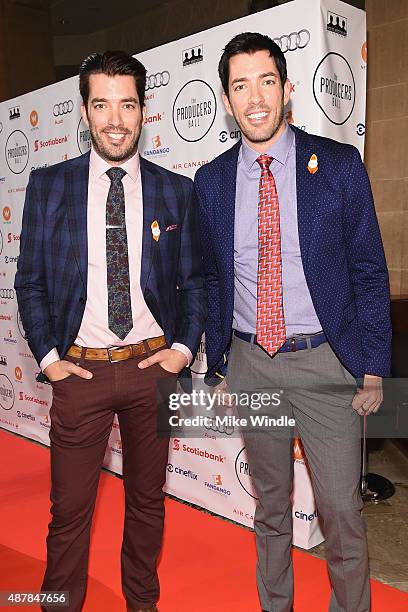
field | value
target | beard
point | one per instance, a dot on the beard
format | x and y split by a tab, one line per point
266	133
114	152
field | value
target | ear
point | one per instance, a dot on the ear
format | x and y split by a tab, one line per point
227	104
84	115
286	92
143	113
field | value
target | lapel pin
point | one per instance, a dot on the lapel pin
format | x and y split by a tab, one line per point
313	165
155	230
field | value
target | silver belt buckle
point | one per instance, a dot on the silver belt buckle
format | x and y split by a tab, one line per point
114	348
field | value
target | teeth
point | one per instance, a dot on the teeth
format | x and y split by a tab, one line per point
257	115
115	136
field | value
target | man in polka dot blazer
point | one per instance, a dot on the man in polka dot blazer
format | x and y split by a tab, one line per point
298	298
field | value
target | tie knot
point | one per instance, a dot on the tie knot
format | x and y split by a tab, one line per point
264	161
116	174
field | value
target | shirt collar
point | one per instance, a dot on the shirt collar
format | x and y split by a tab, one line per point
279	150
98	166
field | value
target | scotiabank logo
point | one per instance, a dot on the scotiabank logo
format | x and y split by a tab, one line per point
51	142
30	398
154	118
196	450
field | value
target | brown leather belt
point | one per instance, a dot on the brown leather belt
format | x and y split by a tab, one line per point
118	353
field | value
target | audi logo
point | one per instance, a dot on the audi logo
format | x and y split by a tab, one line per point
293	41
63	108
7	294
160	79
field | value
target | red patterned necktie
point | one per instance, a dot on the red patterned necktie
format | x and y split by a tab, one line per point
270	321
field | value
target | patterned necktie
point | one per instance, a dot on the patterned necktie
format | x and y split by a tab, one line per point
117	262
270	322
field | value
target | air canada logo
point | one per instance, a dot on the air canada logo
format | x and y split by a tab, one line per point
83	137
243	473
194	110
336	24
14	113
193	55
17	152
7	395
334	88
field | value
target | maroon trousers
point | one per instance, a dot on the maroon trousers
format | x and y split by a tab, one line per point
82	413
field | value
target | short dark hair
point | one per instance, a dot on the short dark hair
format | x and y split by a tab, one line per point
112	63
250	42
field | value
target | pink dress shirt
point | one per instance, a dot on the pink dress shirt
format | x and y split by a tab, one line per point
94	331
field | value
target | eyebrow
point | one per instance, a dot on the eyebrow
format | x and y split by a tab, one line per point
96	100
261	76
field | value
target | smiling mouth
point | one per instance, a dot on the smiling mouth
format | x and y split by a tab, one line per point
257	116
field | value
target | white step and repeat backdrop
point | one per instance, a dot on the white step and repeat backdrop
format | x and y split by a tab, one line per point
325	48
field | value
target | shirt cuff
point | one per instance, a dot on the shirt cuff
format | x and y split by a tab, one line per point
183	349
50	358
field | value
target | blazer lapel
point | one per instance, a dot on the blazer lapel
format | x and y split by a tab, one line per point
151	190
307	188
226	209
76	192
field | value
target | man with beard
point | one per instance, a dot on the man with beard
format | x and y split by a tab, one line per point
111	297
298	305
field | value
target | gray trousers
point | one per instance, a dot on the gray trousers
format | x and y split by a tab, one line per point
317	392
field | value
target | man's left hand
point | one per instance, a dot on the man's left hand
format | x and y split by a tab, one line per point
368	399
171	360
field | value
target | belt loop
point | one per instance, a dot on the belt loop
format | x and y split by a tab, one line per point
309	343
147	348
253	341
83	353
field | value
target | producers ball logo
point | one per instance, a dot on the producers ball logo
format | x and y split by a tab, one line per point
243	473
17	152
7	395
194	110
83	137
334	88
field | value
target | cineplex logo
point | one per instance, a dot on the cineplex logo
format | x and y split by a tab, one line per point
7	395
51	142
17	152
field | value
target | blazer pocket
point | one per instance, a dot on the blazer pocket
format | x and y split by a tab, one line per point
350	312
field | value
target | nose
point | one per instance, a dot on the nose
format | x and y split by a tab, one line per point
256	96
115	117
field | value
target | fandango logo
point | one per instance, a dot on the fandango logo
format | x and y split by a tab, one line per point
195	450
51	142
299	514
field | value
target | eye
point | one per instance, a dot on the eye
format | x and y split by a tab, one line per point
129	105
269	81
99	105
239	87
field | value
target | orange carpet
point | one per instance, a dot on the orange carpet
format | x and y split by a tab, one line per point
207	565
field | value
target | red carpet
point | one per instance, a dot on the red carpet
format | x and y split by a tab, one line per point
208	565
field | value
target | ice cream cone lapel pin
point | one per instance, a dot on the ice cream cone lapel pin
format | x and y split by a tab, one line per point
155	230
313	165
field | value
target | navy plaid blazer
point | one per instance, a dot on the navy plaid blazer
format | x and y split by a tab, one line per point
341	249
51	278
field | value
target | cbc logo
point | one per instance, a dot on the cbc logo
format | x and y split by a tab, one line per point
63	108
293	41
160	79
7	294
